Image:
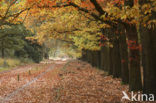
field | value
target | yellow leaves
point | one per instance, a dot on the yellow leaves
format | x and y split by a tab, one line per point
3	9
12	13
77	2
86	40
124	17
151	24
64	26
18	6
114	12
132	15
145	19
104	26
146	8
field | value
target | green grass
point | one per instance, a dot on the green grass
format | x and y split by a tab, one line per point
9	63
4	69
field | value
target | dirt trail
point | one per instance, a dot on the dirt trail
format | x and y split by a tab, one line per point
10	87
60	82
10	95
82	83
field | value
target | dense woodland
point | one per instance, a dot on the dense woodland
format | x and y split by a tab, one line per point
117	36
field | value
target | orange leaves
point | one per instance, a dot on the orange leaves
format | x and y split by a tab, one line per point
48	2
42	3
86	4
31	1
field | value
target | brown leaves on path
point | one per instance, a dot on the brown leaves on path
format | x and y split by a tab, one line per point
81	83
14	91
68	82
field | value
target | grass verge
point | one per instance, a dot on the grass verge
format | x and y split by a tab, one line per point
9	63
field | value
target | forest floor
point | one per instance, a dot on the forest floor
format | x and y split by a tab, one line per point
70	81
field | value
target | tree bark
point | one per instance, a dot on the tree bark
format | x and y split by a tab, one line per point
149	55
110	71
103	58
135	83
2	50
116	59
124	59
98	60
123	55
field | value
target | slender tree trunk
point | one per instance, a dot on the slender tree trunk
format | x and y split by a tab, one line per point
98	59
124	56
2	50
93	58
107	67
89	56
83	55
3	54
116	59
135	83
103	58
105	55
110	72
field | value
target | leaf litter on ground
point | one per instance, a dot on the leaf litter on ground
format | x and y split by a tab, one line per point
73	81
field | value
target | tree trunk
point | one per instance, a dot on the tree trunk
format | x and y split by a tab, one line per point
149	55
124	56
107	67
3	54
93	58
116	59
2	50
103	58
135	83
83	57
89	56
98	53
110	71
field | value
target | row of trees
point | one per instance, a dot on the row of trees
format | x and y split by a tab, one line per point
132	55
117	36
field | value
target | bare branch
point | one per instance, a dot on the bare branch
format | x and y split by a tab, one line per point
25	16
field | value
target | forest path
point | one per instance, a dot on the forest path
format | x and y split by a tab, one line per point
71	81
16	81
81	83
